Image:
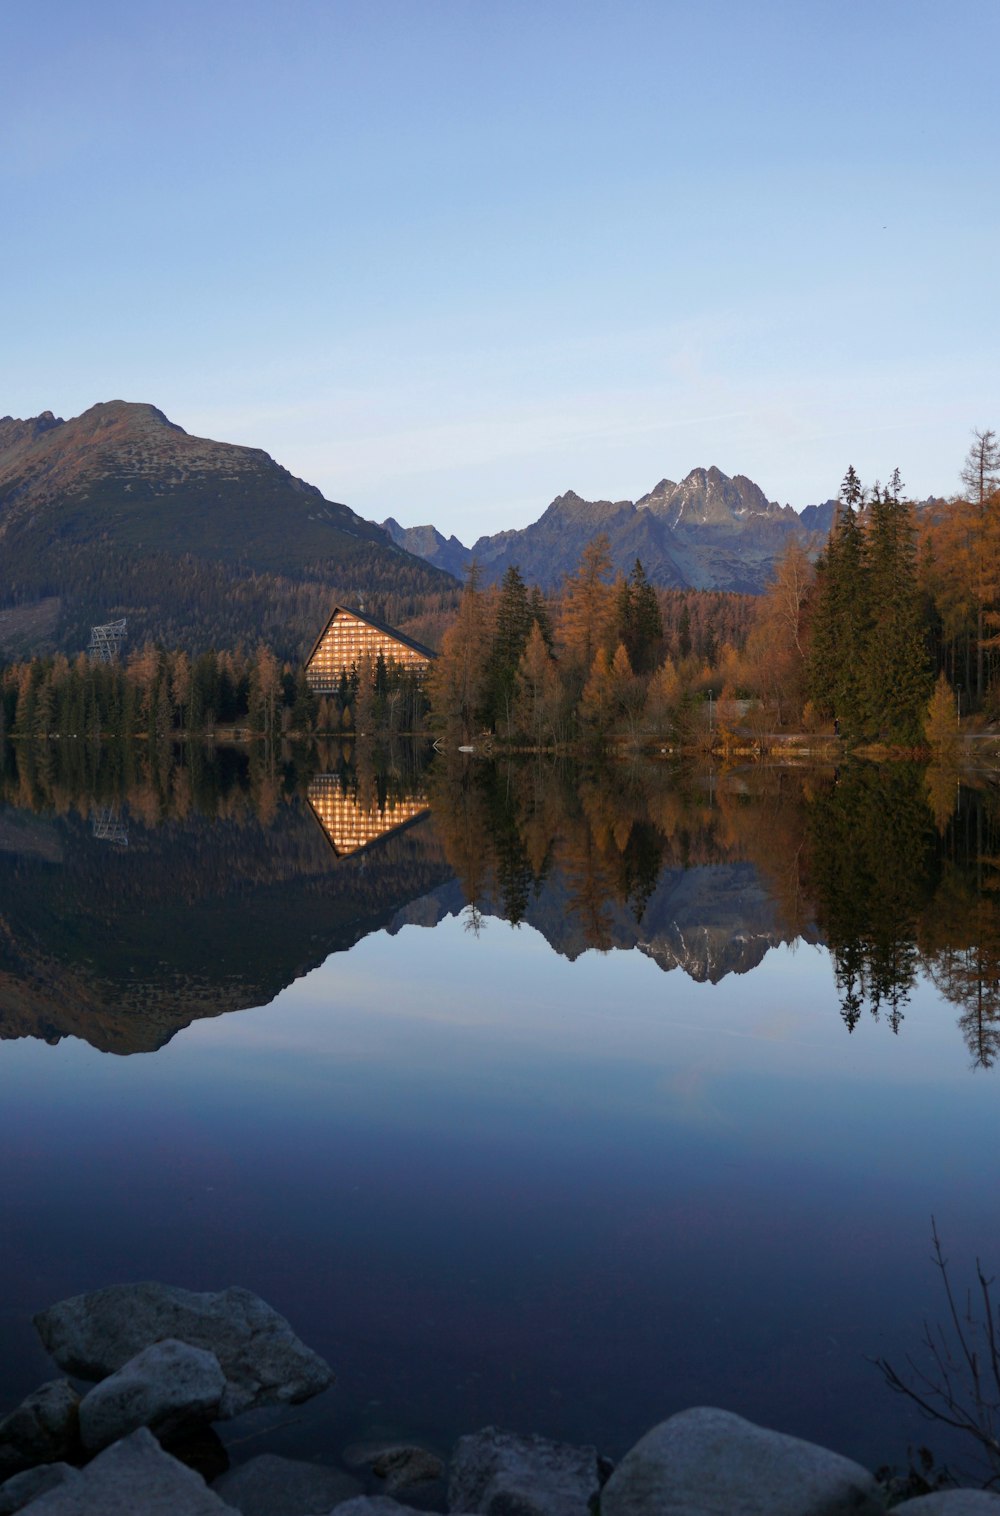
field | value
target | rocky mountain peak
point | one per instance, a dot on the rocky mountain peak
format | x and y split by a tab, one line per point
14	431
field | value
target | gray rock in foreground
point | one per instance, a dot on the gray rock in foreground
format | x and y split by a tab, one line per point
274	1486
374	1505
18	1492
134	1477
952	1503
501	1473
161	1387
42	1429
704	1462
263	1360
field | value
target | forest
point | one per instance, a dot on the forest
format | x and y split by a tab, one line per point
892	637
889	638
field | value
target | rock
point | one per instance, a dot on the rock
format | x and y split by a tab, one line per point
374	1505
18	1492
161	1387
263	1360
403	1466
273	1486
42	1429
198	1445
503	1474
131	1477
705	1461
952	1503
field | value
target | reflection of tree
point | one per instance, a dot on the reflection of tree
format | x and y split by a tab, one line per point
942	793
894	867
870	867
961	942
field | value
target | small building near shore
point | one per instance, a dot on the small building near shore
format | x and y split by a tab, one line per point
349	637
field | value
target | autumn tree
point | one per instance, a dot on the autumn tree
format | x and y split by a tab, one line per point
586	614
458	679
538	696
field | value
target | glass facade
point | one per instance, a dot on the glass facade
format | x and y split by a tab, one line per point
347	641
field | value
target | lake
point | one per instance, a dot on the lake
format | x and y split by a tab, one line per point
554	1098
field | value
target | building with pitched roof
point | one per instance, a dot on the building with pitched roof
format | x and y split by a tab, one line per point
349	637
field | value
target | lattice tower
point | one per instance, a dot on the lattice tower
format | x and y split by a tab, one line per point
106	641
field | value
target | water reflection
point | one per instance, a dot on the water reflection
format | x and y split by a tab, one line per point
142	890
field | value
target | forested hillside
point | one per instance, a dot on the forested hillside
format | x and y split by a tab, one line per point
198	543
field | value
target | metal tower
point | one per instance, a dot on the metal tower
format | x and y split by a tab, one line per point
106	641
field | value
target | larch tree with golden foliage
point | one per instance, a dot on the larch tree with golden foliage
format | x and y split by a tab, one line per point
587	611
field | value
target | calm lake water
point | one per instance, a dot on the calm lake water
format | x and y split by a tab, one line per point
550	1099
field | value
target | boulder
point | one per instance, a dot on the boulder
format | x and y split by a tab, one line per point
161	1387
132	1476
402	1466
274	1486
374	1505
952	1503
42	1429
18	1492
264	1362
705	1461
504	1474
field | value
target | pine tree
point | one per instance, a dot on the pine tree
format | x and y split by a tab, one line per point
639	622
510	637
895	668
841	618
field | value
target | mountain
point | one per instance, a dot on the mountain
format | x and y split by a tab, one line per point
120	512
428	543
707	532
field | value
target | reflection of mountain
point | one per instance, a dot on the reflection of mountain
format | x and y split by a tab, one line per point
123	947
709	921
352	823
124	944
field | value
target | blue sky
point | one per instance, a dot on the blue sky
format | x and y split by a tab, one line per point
447	260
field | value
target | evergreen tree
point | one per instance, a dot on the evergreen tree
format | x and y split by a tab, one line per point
895	668
841	619
510	638
640	624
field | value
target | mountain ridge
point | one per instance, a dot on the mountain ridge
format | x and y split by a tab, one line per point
121	512
707	531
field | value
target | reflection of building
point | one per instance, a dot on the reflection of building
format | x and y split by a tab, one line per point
350	636
352	824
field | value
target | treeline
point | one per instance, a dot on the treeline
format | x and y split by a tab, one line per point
900	601
153	693
602	658
162	696
851	645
